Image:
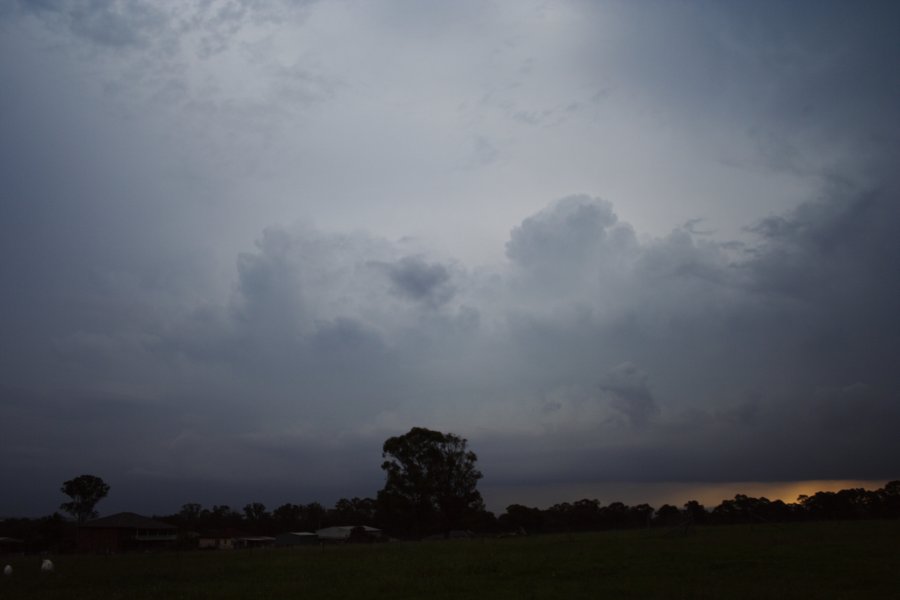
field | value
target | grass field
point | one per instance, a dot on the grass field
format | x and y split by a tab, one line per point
817	560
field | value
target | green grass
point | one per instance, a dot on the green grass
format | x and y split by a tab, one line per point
818	560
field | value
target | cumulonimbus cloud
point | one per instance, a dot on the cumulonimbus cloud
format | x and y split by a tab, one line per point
590	354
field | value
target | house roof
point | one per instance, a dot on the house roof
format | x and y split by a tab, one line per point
127	520
343	531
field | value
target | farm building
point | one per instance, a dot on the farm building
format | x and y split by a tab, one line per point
125	531
233	539
255	541
296	538
349	533
223	539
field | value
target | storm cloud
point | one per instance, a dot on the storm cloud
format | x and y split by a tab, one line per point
238	252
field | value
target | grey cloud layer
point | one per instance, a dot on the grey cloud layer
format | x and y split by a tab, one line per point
165	318
591	356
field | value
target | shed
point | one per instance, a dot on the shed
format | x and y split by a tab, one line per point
222	539
255	541
125	531
349	533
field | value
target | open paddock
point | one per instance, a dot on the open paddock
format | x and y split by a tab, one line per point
815	560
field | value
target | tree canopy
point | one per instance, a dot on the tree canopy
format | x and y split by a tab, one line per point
85	491
431	482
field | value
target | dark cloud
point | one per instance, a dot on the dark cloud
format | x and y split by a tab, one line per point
418	280
775	360
630	391
147	339
687	360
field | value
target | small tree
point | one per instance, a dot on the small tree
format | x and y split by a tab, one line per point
431	482
696	512
356	511
85	491
190	512
668	515
256	515
255	511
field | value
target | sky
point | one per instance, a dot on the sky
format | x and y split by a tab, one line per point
611	244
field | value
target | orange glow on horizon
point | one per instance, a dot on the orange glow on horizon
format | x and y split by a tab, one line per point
656	494
787	491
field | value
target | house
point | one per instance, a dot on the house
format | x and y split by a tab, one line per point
215	542
222	539
125	531
233	539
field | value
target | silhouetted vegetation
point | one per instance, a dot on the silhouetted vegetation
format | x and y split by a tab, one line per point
55	532
590	515
85	491
431	483
431	488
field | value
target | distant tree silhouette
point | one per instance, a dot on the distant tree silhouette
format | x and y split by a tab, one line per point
288	517
255	512
85	491
889	499
586	515
190	512
221	516
668	515
615	515
257	517
695	511
523	518
640	515
313	516
431	482
356	511
556	518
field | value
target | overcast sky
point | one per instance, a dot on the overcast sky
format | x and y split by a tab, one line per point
244	242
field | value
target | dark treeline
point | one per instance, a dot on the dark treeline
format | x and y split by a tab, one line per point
256	519
591	515
55	532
